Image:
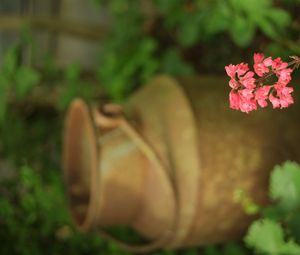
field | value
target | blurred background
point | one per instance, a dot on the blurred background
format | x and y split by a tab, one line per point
52	51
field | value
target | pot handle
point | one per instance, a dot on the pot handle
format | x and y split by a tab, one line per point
111	116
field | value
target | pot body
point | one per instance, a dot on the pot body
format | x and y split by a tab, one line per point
194	154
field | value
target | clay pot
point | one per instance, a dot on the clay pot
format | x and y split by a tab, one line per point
168	163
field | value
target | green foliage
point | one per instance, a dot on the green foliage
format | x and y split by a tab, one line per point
34	219
74	86
25	78
277	233
202	20
173	64
267	236
250	15
241	197
128	58
124	67
226	249
179	37
16	81
285	186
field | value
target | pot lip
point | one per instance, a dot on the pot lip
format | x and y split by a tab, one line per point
79	107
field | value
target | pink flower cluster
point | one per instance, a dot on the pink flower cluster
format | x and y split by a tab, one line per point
249	89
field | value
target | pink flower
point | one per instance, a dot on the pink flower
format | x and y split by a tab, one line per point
261	95
258	57
247	105
249	90
242	100
261	65
239	69
268	61
282	72
260	69
247	101
284	75
234	100
233	84
242	68
246	93
285	96
279	64
248	81
231	70
240	76
275	101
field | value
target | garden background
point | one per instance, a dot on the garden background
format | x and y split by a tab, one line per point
55	50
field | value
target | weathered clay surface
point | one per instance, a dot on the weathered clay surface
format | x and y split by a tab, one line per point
207	151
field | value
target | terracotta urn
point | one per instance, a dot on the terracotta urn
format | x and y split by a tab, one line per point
168	162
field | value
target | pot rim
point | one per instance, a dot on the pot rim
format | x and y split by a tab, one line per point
73	130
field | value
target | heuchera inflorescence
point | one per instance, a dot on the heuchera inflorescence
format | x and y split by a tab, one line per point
251	89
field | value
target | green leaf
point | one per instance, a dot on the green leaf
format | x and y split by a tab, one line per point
126	68
293	223
233	249
285	185
279	17
250	10
273	212
166	6
28	178
290	248
74	89
268	28
26	79
265	236
10	61
172	63
219	19
189	30
273	22
72	72
4	92
191	251
211	250
255	7
249	206
242	31
6	209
